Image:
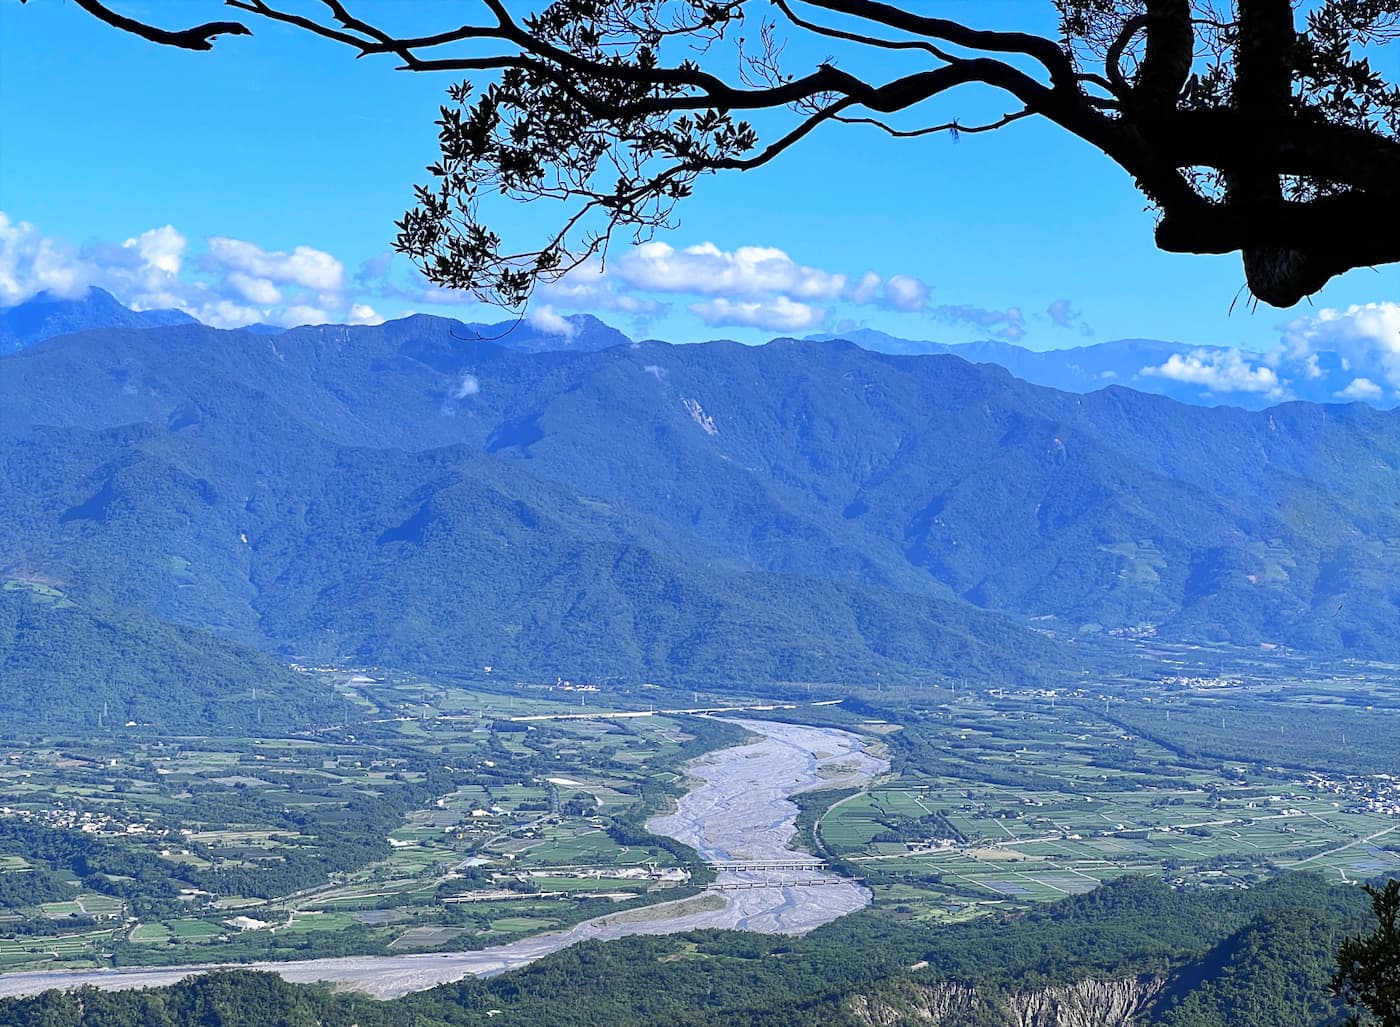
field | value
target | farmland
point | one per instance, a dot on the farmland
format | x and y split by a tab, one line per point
438	821
451	818
1004	798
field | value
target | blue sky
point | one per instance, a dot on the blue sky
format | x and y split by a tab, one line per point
261	181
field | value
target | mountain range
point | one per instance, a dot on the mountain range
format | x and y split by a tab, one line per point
46	315
1135	363
1206	375
422	496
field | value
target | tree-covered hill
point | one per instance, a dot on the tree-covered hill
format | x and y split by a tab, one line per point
770	485
447	561
67	667
1174	959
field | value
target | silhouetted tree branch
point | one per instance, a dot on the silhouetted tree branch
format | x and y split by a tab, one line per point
200	37
1246	131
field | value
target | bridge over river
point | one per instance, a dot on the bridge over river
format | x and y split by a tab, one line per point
769	865
738	818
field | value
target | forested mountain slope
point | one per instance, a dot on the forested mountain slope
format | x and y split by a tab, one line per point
798	510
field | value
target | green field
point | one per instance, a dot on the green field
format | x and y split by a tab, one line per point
433	809
1006	798
443	822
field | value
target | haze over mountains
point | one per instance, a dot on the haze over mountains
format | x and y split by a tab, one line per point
412	496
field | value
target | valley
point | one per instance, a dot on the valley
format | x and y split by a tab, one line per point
509	815
633	664
739	814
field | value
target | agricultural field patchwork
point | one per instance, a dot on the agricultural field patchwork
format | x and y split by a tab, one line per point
444	820
452	818
1002	798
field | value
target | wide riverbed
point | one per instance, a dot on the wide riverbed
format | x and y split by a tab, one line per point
737	813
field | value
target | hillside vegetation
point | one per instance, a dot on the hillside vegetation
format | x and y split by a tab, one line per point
796	512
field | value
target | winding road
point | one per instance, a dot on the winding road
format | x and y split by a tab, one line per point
739	812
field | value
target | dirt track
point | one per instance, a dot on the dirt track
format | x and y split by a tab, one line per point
738	813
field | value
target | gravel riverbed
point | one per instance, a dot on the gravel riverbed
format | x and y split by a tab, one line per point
737	812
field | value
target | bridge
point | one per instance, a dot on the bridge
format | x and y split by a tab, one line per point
796	882
773	865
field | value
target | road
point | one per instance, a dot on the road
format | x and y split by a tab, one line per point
1351	844
738	813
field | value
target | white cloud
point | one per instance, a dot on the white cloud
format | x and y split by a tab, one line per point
1220	371
142	270
255	290
778	314
1063	315
220	313
31	263
906	293
1361	389
302	314
229	282
589	288
304	266
467	387
547	319
1008	324
160	248
364	314
1365	337
749	286
235	283
749	272
866	290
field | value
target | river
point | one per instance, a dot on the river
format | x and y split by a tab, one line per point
738	812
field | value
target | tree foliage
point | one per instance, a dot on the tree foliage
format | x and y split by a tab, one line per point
1247	130
1368	967
1226	956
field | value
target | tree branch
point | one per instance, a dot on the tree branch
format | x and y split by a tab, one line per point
199	37
1277	148
954	128
1166	63
1045	51
854	37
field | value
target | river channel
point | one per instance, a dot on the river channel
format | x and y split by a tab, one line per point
737	813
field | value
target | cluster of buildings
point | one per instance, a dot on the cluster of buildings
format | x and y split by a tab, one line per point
569	686
85	820
1379	793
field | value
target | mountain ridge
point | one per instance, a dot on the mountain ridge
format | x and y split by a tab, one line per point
47	316
923	477
1200	374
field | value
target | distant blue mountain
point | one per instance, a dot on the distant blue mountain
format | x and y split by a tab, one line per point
1141	364
438	495
1076	369
795	511
47	316
1201	375
584	334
